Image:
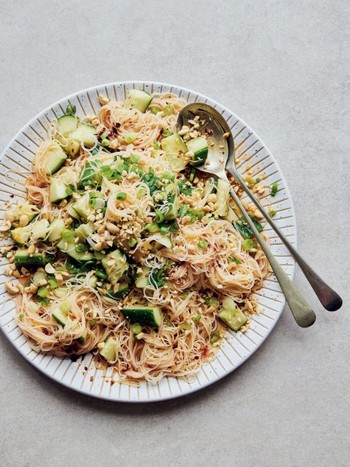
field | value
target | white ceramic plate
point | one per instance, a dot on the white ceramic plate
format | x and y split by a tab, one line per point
236	348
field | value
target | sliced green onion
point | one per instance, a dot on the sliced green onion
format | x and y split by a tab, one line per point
163	229
42	292
132	242
196	319
67	235
274	189
81	248
159	216
53	284
168	110
192	174
234	260
141	192
249	244
71	109
130	137
121	196
69	191
152	227
101	274
154	109
272	213
134	159
21	316
104	135
93	321
136	328
167	133
155	144
214	337
105	143
203	244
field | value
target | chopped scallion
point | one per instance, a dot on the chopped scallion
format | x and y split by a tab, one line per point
168	110
130	137
274	189
249	244
272	213
121	196
202	244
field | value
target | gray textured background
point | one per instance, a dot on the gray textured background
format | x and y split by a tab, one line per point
283	66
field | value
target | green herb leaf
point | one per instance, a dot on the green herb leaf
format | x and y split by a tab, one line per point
71	110
249	244
274	189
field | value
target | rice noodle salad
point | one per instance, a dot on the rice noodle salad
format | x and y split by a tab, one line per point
123	248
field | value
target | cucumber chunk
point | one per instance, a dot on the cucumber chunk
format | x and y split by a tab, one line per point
21	235
67	124
162	240
85	135
122	292
175	148
58	190
110	350
70	248
232	316
234	319
142	279
23	259
138	99
84	231
82	206
199	147
60	316
34	232
39	229
55	230
26	209
115	265
144	315
223	193
55	158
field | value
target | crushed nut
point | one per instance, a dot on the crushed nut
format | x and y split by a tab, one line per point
5	227
103	100
11	288
50	269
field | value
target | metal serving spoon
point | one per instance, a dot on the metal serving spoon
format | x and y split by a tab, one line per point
330	300
218	155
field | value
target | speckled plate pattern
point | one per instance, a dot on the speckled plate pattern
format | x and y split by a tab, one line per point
15	162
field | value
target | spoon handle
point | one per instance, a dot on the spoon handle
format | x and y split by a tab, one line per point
301	310
330	300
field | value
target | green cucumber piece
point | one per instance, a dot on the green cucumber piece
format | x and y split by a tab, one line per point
222	196
55	230
143	315
162	240
39	229
55	158
199	147
70	249
21	235
82	206
122	292
115	265
23	259
138	99
110	350
58	190
84	231
175	149
66	124
38	277
26	209
85	135
142	279
233	318
83	337
60	316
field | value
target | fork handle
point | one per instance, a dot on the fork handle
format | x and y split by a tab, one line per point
330	300
301	310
